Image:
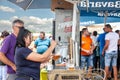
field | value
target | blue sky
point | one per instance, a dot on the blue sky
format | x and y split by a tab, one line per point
42	13
32	17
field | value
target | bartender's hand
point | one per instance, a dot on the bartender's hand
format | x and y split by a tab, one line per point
43	65
49	58
53	43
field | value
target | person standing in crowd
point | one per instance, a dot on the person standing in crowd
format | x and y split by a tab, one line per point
27	61
8	49
118	59
110	50
95	55
3	69
86	50
42	43
4	34
101	42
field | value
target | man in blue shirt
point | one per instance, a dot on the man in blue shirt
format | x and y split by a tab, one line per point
101	40
42	43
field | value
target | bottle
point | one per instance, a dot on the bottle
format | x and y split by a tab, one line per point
49	67
43	74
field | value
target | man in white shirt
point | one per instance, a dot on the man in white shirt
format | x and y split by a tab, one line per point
110	50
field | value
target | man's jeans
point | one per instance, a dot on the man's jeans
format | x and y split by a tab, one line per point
3	72
86	61
102	61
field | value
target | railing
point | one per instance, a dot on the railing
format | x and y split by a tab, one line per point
94	74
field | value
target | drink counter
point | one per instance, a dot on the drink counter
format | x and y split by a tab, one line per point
61	74
76	74
70	72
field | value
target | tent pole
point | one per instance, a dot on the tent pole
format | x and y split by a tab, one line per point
105	17
74	29
74	21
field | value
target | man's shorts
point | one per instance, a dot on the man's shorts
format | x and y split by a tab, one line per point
111	58
86	61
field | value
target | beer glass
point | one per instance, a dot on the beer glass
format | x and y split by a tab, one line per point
70	65
56	57
57	54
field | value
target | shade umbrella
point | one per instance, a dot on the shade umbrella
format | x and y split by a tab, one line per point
32	4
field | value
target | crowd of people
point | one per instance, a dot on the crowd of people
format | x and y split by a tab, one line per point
20	62
101	51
